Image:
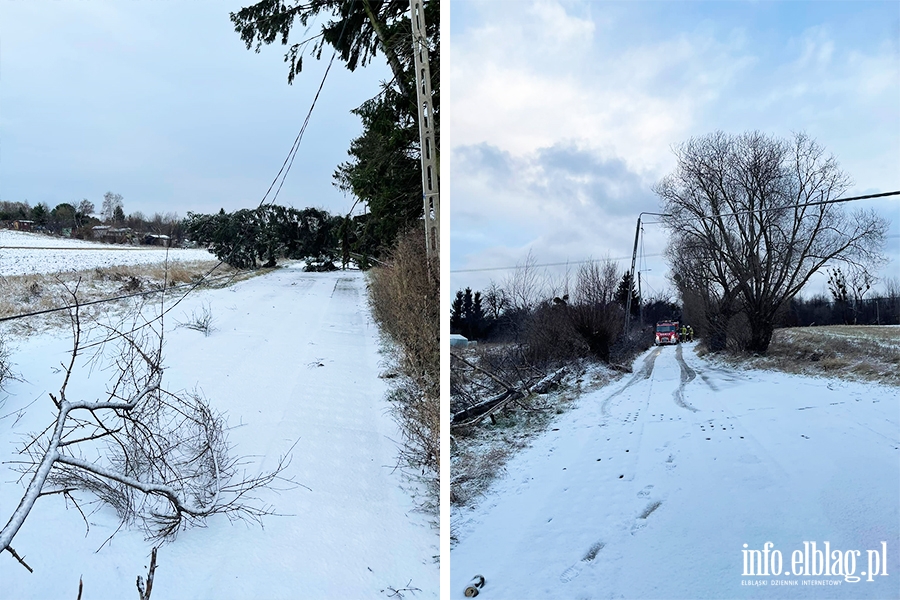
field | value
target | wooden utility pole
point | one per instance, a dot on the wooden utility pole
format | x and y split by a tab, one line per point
430	172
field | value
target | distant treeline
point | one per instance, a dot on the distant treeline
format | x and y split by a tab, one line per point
822	310
245	238
78	221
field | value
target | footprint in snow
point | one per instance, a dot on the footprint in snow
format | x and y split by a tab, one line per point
641	521
575	570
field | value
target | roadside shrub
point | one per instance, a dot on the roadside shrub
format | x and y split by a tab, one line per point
627	347
404	296
551	336
5	367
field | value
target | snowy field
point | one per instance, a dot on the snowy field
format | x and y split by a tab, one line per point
23	253
655	486
293	358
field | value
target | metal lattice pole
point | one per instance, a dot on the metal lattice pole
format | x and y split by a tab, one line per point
430	173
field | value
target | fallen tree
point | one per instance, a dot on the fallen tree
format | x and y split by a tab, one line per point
475	413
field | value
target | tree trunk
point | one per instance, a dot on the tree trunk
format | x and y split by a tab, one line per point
389	53
761	330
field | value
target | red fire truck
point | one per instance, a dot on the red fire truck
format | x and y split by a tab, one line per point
666	332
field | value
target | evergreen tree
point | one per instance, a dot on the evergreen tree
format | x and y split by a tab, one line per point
476	320
40	214
625	286
467	315
63	216
456	313
263	235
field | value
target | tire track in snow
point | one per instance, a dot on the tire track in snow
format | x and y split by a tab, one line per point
687	376
645	373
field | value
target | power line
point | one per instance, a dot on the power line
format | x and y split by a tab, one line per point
799	205
557	264
99	301
289	159
817	203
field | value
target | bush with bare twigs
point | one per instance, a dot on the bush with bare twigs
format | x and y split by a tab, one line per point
200	320
6	372
404	295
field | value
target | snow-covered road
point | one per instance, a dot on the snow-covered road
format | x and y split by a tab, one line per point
294	357
652	487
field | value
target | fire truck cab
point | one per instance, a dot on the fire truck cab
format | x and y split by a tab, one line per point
666	333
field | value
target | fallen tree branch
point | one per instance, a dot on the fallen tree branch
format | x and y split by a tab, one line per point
505	385
159	459
476	413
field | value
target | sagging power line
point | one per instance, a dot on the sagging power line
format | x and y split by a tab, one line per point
103	300
578	262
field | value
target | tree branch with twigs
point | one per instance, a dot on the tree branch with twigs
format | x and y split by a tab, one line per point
161	460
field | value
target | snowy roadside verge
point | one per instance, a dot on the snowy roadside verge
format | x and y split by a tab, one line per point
479	453
47	293
851	352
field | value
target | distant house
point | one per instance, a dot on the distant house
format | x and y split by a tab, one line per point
118	235
458	341
157	239
23	225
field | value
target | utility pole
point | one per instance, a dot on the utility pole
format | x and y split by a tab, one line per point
637	235
430	172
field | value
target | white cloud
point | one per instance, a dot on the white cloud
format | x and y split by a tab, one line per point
521	88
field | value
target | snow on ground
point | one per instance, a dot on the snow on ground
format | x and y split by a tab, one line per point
36	253
294	357
652	487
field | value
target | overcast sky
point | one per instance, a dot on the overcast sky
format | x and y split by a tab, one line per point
161	102
563	114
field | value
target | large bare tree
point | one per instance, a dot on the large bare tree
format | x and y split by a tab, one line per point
750	222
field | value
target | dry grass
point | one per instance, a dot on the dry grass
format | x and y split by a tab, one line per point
479	453
34	293
405	299
859	352
474	470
